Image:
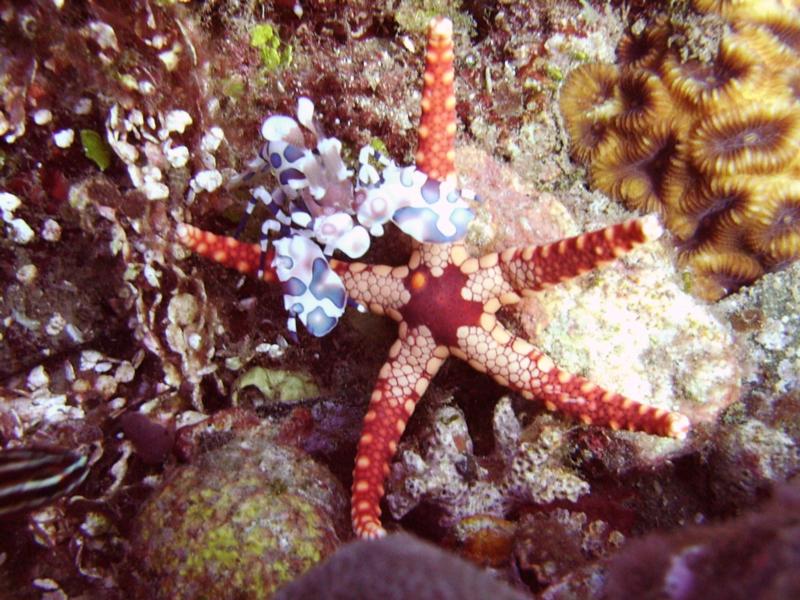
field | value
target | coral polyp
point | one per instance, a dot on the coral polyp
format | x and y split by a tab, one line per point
592	101
711	144
699	85
642	51
762	138
637	171
738	8
643	99
777	225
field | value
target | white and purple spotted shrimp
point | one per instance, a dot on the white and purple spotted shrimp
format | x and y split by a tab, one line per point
309	207
316	210
314	190
312	292
428	210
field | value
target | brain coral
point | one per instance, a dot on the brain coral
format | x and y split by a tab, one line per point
714	146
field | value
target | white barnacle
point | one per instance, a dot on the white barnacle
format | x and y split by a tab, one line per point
42	116
38	378
146	88
151	173
212	139
155	190
116	134
104	35
177	120
134	121
170	57
127	152
63	138
177	156
21	232
8	204
88	359
208	180
55	324
51	230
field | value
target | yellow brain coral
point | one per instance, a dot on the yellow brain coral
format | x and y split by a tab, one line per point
713	146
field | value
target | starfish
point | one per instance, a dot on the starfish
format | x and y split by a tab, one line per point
446	302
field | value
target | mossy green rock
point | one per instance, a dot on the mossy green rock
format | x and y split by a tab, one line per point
241	522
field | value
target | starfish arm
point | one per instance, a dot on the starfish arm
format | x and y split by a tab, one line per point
227	251
515	363
437	125
486	281
380	288
413	361
532	268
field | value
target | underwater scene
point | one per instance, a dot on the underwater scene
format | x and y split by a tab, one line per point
399	299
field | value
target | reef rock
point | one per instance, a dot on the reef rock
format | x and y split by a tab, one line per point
393	568
241	521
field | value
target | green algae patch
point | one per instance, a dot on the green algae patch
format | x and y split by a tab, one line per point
277	384
241	522
95	148
274	53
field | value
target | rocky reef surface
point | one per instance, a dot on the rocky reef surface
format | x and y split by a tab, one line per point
177	380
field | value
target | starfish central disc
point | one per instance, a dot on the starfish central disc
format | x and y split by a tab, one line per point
436	302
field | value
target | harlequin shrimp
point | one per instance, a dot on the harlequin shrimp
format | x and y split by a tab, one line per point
316	210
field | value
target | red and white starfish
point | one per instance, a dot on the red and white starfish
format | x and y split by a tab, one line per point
445	303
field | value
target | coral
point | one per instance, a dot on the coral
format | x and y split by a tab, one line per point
275	385
550	547
592	95
242	520
95	321
399	566
115	346
420	296
644	334
759	443
415	15
670	132
433	471
518	212
749	457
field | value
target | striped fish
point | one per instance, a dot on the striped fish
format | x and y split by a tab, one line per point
33	477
